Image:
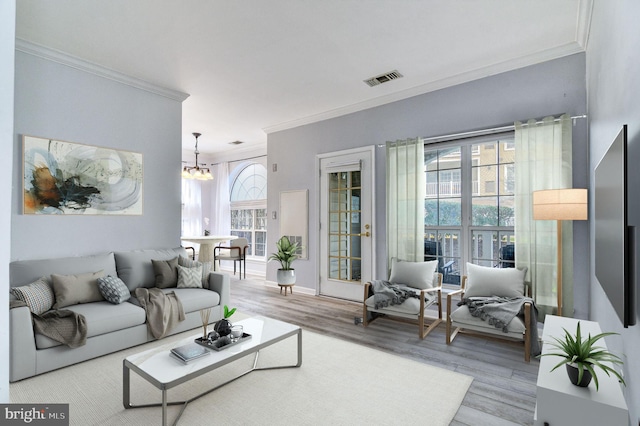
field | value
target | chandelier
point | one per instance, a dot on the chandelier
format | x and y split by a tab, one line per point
197	172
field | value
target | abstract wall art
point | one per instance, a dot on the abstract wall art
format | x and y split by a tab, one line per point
70	178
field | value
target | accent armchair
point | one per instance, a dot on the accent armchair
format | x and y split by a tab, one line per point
481	287
422	285
236	251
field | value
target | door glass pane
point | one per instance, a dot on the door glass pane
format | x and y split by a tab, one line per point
450	212
345	226
484	211
507	212
484	247
452	255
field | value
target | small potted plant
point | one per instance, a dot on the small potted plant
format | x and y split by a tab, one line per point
286	254
223	327
581	357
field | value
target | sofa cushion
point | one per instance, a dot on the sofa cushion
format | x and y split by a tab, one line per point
483	281
189	277
135	268
101	318
38	295
420	275
113	289
189	263
195	299
76	288
166	272
410	306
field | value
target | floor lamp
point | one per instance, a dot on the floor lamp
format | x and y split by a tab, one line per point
559	205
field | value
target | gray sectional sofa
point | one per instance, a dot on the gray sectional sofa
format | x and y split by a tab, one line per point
110	327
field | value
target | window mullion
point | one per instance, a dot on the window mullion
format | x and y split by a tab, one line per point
467	188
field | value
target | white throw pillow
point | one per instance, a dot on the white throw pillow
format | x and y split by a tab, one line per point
413	274
483	281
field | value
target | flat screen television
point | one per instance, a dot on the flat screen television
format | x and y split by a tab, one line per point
615	239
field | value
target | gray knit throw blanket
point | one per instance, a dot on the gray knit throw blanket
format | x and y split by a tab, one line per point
386	293
499	311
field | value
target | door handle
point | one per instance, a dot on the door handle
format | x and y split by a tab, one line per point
366	234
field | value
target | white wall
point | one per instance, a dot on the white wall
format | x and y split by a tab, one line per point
613	82
549	88
7	42
59	101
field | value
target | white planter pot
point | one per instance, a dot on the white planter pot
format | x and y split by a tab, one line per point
286	276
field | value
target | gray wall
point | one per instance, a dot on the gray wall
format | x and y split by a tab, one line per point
549	88
613	71
7	42
57	101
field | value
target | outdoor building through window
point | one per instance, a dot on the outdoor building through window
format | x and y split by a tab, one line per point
469	203
249	208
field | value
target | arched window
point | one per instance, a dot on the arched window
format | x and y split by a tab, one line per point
249	208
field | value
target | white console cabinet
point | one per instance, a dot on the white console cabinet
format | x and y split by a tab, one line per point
559	403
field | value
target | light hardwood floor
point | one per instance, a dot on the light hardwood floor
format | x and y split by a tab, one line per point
503	391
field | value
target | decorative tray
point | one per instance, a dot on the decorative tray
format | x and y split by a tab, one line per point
221	342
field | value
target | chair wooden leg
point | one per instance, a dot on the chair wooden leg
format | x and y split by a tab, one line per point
421	331
527	332
451	334
365	321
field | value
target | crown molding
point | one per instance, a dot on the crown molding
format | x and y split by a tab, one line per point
583	29
454	80
92	68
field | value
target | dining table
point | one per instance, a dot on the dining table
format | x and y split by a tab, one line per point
207	242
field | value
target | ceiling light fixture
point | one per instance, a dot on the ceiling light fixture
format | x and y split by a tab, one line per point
197	172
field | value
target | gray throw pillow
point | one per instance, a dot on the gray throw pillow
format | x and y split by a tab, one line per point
113	289
166	272
76	289
38	295
189	277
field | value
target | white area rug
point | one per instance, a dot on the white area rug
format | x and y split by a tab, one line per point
339	383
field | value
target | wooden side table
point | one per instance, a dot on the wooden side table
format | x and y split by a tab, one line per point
286	286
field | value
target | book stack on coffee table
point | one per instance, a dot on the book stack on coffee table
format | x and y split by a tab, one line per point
189	352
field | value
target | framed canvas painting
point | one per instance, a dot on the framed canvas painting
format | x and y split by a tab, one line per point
71	178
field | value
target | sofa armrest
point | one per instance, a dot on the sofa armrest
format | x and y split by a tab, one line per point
22	344
221	284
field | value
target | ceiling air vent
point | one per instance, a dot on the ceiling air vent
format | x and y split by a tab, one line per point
383	78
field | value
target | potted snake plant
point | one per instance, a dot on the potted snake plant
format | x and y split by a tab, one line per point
581	357
285	254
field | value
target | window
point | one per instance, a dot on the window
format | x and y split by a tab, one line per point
249	209
469	203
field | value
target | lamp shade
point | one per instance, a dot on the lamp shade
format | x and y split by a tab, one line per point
560	204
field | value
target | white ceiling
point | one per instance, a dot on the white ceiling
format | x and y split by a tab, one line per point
256	66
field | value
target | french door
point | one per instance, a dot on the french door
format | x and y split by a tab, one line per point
347	251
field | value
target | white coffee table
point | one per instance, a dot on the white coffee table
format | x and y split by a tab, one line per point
164	372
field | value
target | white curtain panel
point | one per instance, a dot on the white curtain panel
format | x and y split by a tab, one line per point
405	199
220	200
191	207
543	161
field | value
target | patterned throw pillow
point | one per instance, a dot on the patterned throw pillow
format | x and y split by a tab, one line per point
38	295
189	277
188	263
113	289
